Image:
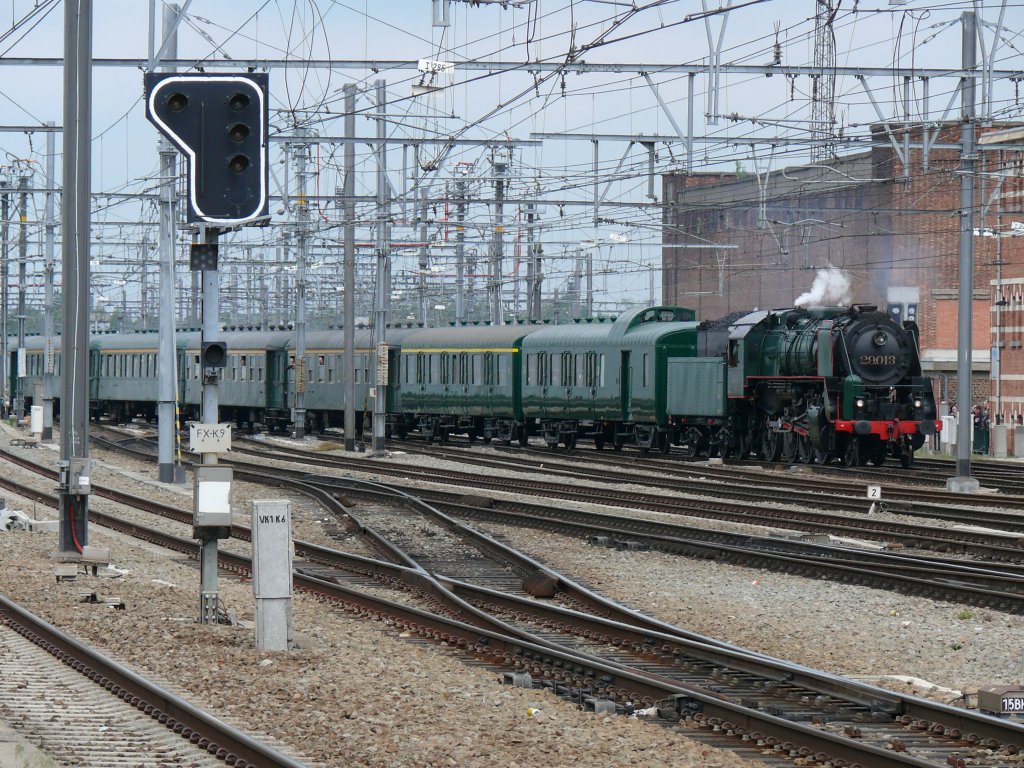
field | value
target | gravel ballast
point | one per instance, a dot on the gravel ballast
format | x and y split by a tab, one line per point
355	694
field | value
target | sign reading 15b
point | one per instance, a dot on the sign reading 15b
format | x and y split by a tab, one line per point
219	122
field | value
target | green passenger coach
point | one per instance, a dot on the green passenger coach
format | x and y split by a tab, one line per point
463	380
605	381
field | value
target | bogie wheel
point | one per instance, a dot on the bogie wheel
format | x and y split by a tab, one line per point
569	441
906	457
692	443
599	442
663	442
877	457
851	454
617	440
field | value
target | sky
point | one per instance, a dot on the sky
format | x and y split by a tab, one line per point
625	245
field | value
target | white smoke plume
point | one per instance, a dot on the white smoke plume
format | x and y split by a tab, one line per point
831	289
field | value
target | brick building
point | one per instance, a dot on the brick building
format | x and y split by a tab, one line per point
892	228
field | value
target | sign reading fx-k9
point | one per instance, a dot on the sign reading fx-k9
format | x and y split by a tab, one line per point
209	438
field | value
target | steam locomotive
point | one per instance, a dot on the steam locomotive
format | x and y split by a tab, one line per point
801	385
811	385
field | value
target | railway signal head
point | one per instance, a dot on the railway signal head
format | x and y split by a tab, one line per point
214	354
219	122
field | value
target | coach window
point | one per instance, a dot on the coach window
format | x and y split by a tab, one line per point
502	370
321	367
600	370
734	353
434	373
531	369
566	378
555	372
644	374
582	370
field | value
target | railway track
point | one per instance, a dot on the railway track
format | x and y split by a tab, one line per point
626	666
994	545
988	584
86	709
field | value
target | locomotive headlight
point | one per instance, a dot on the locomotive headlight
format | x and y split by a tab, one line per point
917	402
860	402
880	339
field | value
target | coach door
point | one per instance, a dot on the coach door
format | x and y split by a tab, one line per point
626	389
94	374
277	378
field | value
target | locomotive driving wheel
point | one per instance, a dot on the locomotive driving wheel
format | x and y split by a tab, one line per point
790	447
771	442
804	449
823	455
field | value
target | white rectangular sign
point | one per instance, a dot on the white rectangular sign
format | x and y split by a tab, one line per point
874	491
433	65
209	438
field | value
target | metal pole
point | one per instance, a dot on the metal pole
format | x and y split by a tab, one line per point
210	415
5	231
383	286
50	229
301	155
497	246
963	482
460	251
144	285
349	215
577	284
19	381
166	361
590	283
74	418
421	217
531	265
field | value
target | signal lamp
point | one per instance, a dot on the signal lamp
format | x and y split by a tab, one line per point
214	354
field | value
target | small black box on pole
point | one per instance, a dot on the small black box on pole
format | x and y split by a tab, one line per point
203	257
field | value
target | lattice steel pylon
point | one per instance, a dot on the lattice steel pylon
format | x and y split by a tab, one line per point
823	85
